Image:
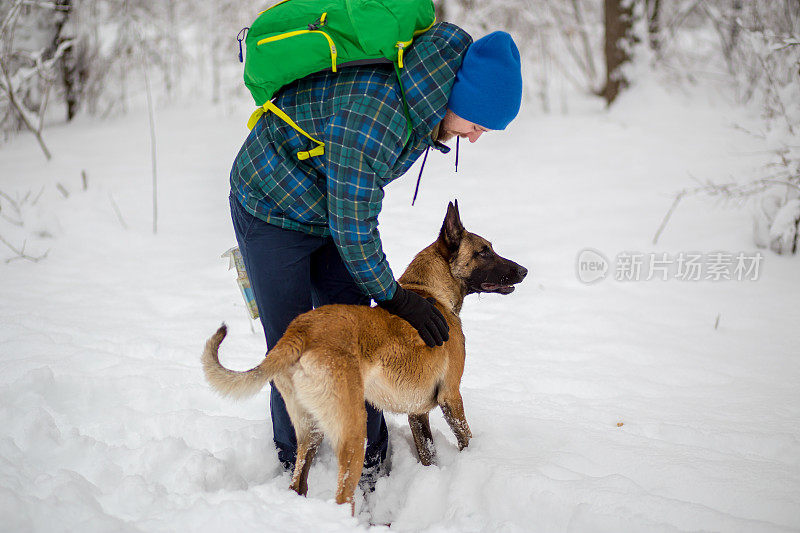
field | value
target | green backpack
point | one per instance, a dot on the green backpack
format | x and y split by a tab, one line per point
295	38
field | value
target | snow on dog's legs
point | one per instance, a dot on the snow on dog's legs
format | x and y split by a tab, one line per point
351	419
423	438
329	385
350	452
453	410
308	436
306	449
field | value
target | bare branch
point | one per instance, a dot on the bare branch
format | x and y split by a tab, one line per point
13	202
10	220
43	106
785	46
35	200
728	191
776	93
21	252
584	35
15	206
23	111
12	14
678	198
45	5
153	146
585	64
678	20
117	211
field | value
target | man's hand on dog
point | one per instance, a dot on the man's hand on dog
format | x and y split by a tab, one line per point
420	313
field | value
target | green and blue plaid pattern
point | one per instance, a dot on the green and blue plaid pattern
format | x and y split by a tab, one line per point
358	114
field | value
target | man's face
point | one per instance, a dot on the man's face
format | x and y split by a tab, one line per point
453	125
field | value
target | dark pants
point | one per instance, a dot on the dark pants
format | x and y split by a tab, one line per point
290	272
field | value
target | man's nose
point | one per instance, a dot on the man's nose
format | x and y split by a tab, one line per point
474	135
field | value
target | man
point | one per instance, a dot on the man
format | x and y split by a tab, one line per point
308	230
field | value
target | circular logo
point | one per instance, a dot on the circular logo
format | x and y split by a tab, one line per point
591	266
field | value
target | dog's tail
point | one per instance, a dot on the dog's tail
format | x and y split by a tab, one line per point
238	385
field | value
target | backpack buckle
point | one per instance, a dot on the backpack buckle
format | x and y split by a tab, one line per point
314	26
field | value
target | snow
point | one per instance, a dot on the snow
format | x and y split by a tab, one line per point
108	425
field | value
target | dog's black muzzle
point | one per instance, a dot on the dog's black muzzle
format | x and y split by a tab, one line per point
500	279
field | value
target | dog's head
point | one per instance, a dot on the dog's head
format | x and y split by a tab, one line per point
472	259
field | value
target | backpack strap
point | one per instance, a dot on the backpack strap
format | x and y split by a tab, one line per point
320	148
269	106
409	126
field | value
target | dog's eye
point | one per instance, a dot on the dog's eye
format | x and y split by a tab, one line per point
486	253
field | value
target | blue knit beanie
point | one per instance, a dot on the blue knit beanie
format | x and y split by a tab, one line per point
488	86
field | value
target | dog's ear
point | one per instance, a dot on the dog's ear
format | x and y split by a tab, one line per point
452	230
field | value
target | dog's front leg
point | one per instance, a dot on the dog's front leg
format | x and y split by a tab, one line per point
453	410
423	438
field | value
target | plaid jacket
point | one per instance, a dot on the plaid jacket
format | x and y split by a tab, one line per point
358	114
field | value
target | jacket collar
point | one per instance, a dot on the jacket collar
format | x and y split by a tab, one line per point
428	74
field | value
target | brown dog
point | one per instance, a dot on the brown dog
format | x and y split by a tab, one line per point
333	358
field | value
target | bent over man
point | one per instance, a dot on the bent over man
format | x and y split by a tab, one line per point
308	230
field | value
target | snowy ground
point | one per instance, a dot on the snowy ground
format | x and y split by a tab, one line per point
107	424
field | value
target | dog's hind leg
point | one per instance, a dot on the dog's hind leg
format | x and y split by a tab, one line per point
453	410
344	420
306	449
307	435
330	389
350	453
423	438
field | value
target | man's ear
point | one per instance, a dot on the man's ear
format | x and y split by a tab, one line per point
452	230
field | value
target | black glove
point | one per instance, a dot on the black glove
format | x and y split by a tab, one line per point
420	313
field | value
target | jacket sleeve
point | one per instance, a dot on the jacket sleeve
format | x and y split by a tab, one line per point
362	140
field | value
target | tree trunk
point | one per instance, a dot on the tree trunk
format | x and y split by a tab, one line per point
68	63
171	76
216	70
618	45
654	23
